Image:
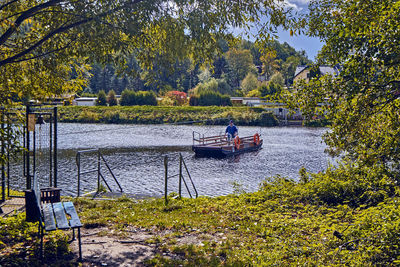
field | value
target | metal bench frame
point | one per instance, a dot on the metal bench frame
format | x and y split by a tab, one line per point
53	216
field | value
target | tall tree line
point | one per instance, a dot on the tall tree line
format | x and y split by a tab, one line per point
232	66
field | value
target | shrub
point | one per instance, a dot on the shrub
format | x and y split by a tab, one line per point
210	98
146	98
127	98
111	98
101	99
131	98
178	98
193	101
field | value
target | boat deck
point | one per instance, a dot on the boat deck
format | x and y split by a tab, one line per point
220	146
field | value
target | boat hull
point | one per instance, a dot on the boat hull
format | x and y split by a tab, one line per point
226	151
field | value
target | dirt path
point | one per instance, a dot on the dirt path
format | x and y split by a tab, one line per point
101	250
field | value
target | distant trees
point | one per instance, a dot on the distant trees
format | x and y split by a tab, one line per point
270	64
226	75
249	83
240	62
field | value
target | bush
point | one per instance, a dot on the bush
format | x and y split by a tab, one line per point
101	99
178	98
146	98
193	101
131	98
111	98
127	98
210	98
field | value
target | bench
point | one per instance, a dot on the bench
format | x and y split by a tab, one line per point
51	213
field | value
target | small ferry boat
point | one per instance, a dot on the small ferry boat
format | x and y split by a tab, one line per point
220	146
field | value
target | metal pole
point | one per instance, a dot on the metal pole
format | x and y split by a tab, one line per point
50	152
3	173
27	136
98	170
55	147
8	160
166	179
34	156
180	175
78	162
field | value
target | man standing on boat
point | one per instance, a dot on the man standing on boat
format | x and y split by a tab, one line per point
231	131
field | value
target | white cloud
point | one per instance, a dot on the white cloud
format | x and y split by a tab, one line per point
292	5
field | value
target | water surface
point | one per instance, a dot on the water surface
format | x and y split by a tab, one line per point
135	153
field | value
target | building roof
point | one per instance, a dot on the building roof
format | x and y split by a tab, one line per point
86	99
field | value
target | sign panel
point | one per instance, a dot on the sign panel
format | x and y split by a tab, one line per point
31	122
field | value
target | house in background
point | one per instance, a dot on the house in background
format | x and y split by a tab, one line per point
84	101
307	72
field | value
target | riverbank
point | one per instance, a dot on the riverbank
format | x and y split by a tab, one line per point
321	221
245	116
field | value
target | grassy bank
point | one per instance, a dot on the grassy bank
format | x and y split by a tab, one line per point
159	114
283	224
348	216
345	216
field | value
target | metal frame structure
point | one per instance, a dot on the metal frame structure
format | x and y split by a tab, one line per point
28	140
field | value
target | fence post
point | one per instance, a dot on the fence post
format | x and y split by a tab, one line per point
55	147
166	179
98	171
27	152
3	144
78	162
180	175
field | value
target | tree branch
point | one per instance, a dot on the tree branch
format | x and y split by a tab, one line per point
14	58
59	30
47	53
25	15
7	4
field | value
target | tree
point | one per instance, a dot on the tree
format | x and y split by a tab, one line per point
240	63
215	85
42	41
46	37
111	98
277	78
362	103
101	99
270	63
249	83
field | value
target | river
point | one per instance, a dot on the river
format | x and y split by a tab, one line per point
135	154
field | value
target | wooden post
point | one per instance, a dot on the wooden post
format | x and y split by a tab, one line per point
166	179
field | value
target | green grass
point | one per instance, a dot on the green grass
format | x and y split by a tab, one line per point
160	114
276	226
20	244
349	216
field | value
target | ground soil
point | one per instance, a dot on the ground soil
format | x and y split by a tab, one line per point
100	247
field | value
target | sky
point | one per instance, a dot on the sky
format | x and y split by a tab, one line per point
302	42
299	42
